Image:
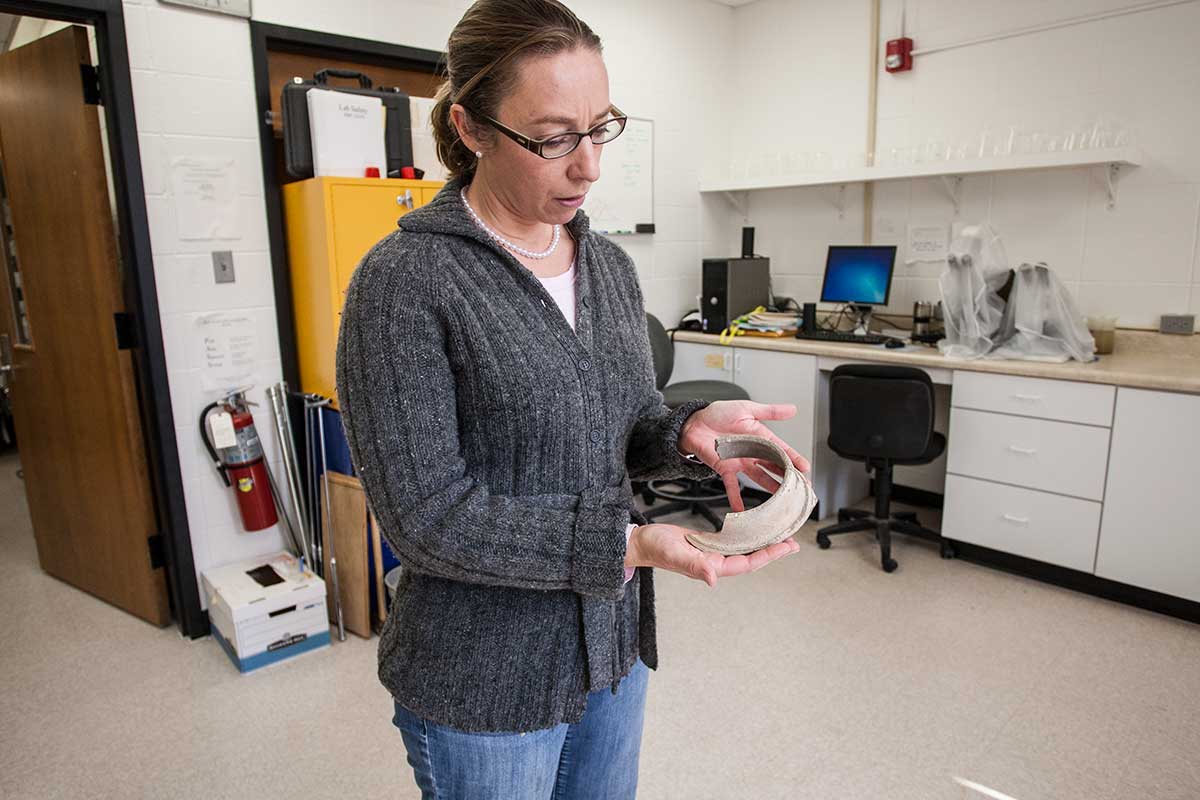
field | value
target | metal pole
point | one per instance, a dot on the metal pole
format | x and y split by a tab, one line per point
337	597
287	446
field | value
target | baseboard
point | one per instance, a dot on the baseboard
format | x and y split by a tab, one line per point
1080	581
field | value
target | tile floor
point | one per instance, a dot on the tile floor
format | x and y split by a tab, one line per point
818	677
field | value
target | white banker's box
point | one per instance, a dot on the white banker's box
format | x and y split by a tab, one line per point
265	609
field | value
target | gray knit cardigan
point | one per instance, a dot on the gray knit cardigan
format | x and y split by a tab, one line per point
496	448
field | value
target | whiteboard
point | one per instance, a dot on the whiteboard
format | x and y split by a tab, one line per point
623	198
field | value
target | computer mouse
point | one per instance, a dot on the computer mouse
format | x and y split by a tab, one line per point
891	344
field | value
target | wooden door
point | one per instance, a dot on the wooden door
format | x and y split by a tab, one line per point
74	397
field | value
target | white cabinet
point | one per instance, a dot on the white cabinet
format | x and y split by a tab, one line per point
1150	534
773	377
767	376
1069	401
1041	454
702	362
1047	527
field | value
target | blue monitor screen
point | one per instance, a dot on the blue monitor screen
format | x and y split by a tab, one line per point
858	274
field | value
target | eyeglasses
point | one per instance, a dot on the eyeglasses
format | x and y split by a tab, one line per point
563	144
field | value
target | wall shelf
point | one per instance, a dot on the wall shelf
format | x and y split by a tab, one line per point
1114	158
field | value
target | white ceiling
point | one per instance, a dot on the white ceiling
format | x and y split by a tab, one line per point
733	3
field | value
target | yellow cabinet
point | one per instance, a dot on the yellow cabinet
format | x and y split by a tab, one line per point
331	224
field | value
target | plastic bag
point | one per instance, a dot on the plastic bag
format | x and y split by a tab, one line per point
1041	321
1037	320
977	268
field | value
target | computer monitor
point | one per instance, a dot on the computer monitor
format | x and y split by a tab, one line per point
858	274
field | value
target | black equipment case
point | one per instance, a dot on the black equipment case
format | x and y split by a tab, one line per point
297	141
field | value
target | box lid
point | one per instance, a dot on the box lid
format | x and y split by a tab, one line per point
260	585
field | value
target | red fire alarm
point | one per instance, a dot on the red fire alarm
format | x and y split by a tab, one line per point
899	55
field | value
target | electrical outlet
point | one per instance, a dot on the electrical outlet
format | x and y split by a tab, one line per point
1177	323
223	266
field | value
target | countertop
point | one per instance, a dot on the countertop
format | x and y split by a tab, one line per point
1140	359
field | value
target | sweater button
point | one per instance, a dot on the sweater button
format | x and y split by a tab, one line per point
596	436
585	365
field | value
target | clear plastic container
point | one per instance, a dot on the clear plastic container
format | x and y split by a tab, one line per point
1104	331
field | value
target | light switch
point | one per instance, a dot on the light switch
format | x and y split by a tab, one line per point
223	266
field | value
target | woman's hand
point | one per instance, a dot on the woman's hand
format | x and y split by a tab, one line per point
664	546
725	417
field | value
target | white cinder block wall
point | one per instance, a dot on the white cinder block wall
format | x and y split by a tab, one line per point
194	97
801	83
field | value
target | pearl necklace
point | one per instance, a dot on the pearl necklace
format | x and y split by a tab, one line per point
505	242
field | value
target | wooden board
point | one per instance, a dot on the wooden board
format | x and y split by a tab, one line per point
377	554
348	504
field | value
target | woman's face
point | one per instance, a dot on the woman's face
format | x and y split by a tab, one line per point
567	91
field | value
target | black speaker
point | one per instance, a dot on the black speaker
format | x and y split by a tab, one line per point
748	242
809	321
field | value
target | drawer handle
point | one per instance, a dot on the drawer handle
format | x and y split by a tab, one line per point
1025	451
1018	520
405	199
1033	398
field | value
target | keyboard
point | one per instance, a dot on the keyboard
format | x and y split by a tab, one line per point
844	336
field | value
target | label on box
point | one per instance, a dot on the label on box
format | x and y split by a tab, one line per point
286	641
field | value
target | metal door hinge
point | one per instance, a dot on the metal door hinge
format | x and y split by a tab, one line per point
90	77
158	556
126	330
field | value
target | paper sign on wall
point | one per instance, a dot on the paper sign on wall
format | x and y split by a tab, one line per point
205	197
228	343
927	243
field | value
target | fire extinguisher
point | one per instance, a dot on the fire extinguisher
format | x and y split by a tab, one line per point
237	453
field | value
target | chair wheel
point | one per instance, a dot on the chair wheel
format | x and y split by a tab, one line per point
890	565
948	550
822	541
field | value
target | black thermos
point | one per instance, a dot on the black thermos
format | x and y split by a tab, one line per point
809	322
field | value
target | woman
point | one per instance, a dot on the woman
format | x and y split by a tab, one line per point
498	395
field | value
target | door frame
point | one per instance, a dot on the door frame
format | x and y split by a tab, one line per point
266	36
141	294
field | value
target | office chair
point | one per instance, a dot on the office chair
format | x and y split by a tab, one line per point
698	497
883	416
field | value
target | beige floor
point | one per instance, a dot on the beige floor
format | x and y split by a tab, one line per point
818	677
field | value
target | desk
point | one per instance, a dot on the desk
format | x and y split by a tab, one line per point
1080	466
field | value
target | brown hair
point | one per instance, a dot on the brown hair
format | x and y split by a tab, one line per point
482	60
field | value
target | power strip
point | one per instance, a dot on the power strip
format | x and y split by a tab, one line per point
1177	323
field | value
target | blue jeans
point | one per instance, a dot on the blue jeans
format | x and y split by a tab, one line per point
595	757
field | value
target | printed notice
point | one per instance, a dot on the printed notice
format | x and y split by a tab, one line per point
228	345
205	192
927	243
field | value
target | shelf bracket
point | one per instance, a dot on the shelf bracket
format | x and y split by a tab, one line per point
840	202
953	186
740	202
1110	182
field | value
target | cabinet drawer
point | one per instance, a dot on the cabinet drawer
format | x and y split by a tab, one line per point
1046	527
1039	454
1069	401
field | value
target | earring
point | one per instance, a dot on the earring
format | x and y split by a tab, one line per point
479	154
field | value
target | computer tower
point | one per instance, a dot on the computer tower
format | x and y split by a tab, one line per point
731	287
